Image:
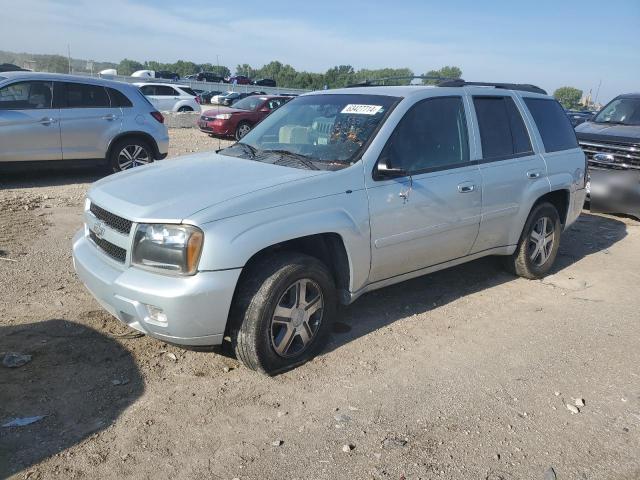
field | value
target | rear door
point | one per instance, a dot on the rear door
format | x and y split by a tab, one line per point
29	124
513	174
88	122
432	214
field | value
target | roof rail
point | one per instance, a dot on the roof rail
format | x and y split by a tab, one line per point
523	87
380	81
452	82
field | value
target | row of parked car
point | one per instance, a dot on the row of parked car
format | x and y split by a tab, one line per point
198	77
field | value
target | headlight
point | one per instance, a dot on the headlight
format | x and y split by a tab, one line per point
223	116
168	248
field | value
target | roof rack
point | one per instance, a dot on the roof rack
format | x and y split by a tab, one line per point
453	82
523	87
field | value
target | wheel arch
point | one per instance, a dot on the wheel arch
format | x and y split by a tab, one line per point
134	134
559	199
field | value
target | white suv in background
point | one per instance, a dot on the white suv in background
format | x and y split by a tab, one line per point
54	119
168	97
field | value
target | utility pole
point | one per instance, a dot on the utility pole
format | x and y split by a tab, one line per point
69	56
597	92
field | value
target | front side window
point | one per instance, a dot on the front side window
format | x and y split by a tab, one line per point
26	96
553	124
81	95
502	130
432	135
621	111
326	131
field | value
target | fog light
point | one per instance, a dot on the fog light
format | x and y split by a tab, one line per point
156	314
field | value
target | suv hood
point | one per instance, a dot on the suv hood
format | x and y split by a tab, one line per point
172	190
608	133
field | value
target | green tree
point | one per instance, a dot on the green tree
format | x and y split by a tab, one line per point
52	64
127	67
569	97
444	72
246	70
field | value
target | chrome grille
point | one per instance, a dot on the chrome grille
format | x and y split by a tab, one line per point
114	251
623	156
117	223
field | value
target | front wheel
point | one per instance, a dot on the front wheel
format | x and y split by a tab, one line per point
242	130
281	312
130	153
539	243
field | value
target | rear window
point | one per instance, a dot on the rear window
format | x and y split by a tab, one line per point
118	99
553	124
502	131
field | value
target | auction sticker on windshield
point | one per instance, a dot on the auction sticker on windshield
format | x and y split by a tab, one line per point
362	109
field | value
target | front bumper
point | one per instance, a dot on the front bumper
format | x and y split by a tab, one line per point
216	127
196	307
614	191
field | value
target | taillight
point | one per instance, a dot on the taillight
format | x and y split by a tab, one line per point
158	116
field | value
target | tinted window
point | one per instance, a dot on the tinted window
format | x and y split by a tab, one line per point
431	135
26	96
148	89
165	90
118	99
188	91
502	131
80	95
553	124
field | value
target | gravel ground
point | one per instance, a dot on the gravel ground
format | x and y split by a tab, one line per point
462	374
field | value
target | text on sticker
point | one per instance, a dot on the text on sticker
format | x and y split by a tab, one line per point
362	109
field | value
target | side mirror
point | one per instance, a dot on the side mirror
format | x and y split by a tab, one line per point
265	110
384	169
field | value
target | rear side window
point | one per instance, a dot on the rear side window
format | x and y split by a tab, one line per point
81	95
502	130
148	89
118	99
553	124
432	135
166	91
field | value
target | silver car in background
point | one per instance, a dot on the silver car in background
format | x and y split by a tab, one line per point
46	117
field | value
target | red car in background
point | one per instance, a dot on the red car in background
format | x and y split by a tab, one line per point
238	120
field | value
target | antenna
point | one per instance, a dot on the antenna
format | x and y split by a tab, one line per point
597	93
69	56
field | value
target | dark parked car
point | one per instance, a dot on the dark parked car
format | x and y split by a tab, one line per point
611	141
577	117
205	96
265	82
167	75
209	77
10	67
239	80
238	120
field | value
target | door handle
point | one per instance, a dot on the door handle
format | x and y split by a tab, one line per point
109	117
533	174
466	187
47	120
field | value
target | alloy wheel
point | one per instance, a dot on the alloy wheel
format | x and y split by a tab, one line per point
133	156
243	130
297	318
541	241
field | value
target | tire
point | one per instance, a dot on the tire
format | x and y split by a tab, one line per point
185	109
118	159
523	262
242	129
270	343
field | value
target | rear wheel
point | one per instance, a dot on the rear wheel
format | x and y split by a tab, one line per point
539	243
185	109
130	153
281	312
242	129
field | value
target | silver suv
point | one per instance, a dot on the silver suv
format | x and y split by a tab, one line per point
50	117
335	194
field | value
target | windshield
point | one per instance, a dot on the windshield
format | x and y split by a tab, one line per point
622	111
248	103
324	132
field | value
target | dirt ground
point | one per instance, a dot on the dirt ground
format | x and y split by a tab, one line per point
462	374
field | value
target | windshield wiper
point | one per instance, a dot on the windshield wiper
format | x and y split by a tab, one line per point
251	151
303	159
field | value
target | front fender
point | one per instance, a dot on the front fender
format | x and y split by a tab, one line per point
231	242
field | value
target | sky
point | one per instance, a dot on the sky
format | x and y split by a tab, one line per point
547	43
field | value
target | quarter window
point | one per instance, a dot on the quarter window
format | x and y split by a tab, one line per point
118	99
502	130
26	96
81	95
432	135
553	124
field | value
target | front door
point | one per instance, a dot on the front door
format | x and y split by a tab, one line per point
29	125
431	213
